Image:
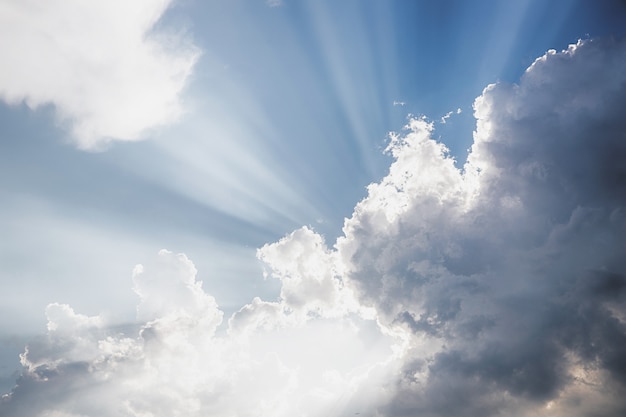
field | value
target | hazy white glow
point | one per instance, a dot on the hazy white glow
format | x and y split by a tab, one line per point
175	363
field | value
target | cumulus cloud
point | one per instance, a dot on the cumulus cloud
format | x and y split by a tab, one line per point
495	290
106	69
491	269
269	361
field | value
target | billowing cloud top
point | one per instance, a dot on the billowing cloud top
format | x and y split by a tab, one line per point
102	65
495	290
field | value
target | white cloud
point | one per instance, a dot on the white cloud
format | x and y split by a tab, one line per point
445	117
309	275
108	72
172	361
494	291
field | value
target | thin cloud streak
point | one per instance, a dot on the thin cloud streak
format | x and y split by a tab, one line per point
445	117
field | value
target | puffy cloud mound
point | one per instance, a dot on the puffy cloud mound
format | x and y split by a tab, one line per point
495	290
104	67
511	275
270	361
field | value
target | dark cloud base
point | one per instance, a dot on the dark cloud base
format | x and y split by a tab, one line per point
517	267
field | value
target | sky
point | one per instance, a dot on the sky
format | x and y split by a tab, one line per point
312	208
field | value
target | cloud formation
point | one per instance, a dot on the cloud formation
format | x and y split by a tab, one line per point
495	290
495	265
110	74
445	117
270	361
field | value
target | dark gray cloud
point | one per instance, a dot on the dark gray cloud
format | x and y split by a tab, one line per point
516	267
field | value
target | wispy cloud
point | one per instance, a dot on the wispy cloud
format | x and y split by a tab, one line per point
495	290
109	74
449	114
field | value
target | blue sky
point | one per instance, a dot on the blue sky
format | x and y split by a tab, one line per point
216	128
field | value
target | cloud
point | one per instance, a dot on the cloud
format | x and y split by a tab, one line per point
490	269
268	361
495	290
445	117
110	74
